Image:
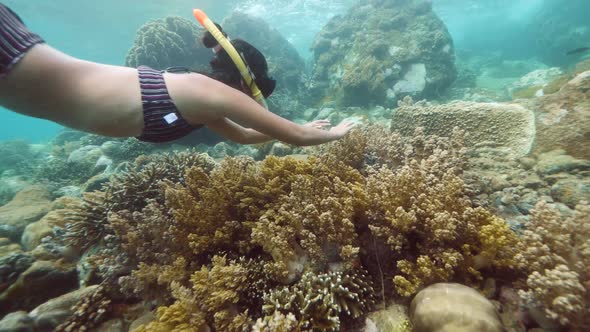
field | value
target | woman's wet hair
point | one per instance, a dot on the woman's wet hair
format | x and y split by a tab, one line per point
208	40
224	69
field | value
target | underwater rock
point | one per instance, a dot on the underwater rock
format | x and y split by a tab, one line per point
167	42
558	161
36	231
534	81
563	118
453	307
381	51
42	281
53	312
86	155
11	267
571	191
510	127
9	186
29	205
18	321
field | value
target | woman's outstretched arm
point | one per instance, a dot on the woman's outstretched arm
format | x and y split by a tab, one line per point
202	100
234	132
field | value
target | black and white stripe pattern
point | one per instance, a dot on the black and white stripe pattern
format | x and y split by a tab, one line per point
162	121
15	39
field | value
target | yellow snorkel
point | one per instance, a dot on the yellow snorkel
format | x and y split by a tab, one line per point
233	54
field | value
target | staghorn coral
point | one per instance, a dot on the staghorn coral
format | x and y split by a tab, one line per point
211	206
131	191
278	322
421	212
215	298
318	213
556	254
321	301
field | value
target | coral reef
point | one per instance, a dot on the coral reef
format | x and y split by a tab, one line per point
445	307
381	51
167	42
286	241
556	254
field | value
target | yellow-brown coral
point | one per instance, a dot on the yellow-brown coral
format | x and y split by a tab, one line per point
556	253
431	227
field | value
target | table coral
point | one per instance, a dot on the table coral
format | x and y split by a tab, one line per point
556	253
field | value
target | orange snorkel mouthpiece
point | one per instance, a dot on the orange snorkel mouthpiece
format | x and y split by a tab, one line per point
200	16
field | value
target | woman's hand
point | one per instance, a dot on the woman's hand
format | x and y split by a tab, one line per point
318	124
342	128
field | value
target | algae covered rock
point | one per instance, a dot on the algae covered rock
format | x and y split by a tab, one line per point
381	51
507	126
28	206
447	307
563	118
41	281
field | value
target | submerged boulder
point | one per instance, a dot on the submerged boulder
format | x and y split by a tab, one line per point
381	51
29	205
563	118
446	307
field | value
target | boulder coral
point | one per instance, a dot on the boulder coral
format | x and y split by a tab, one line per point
167	42
381	51
556	255
446	307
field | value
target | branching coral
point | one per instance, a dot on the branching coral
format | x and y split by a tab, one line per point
215	299
319	302
318	213
556	253
421	212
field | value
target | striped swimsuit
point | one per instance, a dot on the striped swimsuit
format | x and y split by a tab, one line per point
162	121
15	39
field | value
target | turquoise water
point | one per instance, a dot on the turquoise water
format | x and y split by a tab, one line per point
104	31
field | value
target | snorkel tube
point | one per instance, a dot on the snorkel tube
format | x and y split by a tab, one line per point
233	54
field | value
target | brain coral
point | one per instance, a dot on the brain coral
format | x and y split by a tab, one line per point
172	41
